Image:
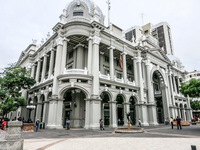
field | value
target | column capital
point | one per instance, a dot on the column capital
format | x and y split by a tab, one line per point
33	64
123	53
59	41
147	62
138	59
96	40
111	47
89	38
66	39
79	45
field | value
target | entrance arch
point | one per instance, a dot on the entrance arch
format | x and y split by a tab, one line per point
105	108
158	82
120	110
74	107
42	99
133	110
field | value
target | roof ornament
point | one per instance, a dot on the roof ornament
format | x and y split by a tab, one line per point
78	2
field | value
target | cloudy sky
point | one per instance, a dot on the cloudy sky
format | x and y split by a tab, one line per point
24	20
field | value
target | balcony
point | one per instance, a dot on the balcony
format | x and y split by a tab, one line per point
152	40
76	71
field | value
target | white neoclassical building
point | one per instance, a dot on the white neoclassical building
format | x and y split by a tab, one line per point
80	76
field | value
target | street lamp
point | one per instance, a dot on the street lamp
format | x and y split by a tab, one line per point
30	107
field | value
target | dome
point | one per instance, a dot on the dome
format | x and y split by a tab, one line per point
175	61
82	10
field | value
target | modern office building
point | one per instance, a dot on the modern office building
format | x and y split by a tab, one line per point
86	71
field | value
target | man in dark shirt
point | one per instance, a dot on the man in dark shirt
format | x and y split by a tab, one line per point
178	123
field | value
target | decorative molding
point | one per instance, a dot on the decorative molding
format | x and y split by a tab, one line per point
59	41
96	40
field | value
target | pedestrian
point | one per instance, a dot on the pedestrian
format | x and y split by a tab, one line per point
178	123
68	124
3	125
139	123
102	123
37	124
171	120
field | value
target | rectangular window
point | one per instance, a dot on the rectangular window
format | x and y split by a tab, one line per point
107	72
71	54
118	64
107	59
119	76
77	13
198	74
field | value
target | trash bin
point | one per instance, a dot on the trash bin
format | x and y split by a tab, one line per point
43	125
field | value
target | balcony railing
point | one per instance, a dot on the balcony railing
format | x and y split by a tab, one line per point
157	92
151	39
131	83
103	76
119	80
76	71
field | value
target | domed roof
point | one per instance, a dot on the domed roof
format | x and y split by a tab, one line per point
84	9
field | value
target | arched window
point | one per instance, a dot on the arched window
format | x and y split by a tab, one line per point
78	10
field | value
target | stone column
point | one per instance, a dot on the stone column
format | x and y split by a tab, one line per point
38	111
111	58
126	110
124	67
95	66
51	63
175	87
113	115
151	102
59	113
33	70
178	84
44	67
64	55
142	103
80	56
52	115
38	71
57	65
135	71
190	116
87	113
89	62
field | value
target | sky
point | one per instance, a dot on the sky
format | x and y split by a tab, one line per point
24	20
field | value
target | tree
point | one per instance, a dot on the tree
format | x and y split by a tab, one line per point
195	105
191	89
12	81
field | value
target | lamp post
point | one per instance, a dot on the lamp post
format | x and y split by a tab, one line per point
30	107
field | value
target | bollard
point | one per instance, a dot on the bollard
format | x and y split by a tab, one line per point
193	147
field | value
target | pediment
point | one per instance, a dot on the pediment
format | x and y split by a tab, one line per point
159	53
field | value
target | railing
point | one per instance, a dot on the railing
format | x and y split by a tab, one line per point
119	80
103	76
131	83
157	92
152	40
76	71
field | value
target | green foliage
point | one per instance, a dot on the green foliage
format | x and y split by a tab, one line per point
192	88
195	105
12	81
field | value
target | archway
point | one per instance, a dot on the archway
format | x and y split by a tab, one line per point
74	107
105	108
133	110
158	95
120	110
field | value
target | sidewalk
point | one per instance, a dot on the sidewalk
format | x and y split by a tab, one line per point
155	138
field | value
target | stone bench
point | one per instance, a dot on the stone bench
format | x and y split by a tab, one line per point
183	123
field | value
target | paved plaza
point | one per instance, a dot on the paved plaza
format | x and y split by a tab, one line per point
154	138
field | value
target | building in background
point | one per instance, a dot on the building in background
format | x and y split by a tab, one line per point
86	71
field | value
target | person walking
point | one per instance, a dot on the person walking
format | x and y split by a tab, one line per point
139	123
102	123
3	125
171	121
178	123
37	124
68	124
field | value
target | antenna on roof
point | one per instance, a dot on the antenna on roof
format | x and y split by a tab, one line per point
142	17
108	2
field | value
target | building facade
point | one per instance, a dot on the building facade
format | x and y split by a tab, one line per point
80	75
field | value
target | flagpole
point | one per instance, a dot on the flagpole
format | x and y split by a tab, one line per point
108	2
